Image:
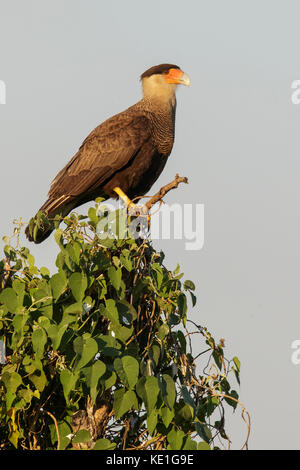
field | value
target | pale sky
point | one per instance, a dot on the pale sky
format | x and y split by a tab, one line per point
70	64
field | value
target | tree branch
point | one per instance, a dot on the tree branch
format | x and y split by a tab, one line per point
163	191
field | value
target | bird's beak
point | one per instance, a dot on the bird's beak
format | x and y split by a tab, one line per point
178	77
185	79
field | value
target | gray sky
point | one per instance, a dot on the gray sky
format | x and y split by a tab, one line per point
70	64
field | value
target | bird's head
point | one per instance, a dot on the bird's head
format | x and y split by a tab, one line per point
161	81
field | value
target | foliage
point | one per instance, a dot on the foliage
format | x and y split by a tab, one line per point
98	355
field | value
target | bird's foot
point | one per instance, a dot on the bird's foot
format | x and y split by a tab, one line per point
132	208
128	202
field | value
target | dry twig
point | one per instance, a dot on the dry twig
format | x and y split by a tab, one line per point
163	191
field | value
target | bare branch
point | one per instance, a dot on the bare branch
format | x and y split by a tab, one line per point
163	191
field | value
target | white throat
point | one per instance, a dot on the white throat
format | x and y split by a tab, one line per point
156	87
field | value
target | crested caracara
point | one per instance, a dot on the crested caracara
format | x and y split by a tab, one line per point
124	154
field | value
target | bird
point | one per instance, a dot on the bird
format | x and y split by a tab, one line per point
123	156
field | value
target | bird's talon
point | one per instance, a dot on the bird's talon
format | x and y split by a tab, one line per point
129	204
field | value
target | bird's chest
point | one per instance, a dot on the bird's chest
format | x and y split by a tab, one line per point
163	137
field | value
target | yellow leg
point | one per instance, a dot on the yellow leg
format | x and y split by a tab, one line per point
122	195
129	204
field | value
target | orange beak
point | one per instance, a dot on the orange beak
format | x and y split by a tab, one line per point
177	77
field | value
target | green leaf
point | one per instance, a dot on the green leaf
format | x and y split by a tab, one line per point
26	394
167	415
101	261
121	332
127	368
38	379
14	437
43	299
189	444
68	380
64	429
203	431
19	288
203	446
77	307
147	389
9	399
31	260
19	321
230	402
11	380
104	444
44	271
154	353
125	260
186	413
168	390
118	312
194	299
189	285
175	439
182	340
92	213
86	349
237	363
58	237
237	375
176	270
115	277
108	379
163	331
152	421
182	307
217	357
158	274
92	375
187	397
110	311
58	284
108	345
211	404
83	435
44	322
39	339
78	283
73	251
123	402
9	298
127	312
56	332
116	261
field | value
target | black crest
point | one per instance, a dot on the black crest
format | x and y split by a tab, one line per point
158	69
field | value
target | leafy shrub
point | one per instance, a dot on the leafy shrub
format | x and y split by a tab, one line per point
98	355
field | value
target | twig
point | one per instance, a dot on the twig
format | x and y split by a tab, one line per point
163	191
56	427
244	412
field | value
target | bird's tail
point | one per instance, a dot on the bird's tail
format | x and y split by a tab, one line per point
43	223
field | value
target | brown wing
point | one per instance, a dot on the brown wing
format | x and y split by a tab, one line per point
108	148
